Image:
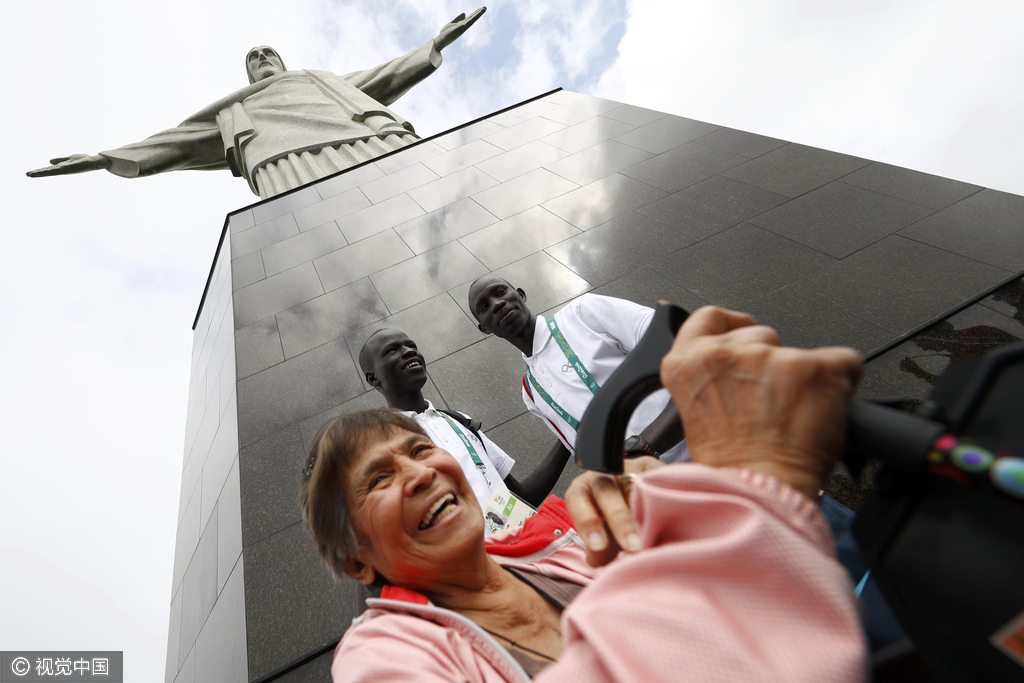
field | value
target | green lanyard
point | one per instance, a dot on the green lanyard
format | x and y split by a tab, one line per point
577	365
571	356
469	447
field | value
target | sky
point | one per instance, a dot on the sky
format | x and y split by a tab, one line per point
102	275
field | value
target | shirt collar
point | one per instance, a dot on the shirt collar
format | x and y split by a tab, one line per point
541	335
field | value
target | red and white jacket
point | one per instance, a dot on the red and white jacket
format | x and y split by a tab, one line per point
737	581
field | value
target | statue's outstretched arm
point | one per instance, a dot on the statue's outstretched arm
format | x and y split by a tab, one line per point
451	31
76	163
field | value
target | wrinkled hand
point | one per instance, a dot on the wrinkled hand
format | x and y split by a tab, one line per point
599	504
76	163
451	31
747	402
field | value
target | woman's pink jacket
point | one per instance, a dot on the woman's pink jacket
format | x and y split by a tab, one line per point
737	581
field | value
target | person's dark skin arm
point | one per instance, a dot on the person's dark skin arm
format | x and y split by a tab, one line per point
538	484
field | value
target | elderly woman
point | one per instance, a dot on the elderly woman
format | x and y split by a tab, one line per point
719	570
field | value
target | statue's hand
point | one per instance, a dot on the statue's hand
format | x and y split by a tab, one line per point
455	28
76	163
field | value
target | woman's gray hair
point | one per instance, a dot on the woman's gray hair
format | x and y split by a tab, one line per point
323	487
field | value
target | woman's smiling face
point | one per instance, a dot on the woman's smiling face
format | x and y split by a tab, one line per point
413	510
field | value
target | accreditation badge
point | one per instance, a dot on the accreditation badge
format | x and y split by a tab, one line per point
504	510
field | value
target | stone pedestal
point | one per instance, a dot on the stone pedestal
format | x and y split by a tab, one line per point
562	195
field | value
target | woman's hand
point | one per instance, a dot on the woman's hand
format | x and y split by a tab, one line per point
747	402
599	505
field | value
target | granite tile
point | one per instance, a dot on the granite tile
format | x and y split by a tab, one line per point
513	238
444	225
461	157
328	210
597	162
187	672
359	260
899	284
647	287
268	472
809	319
616	248
199	591
457	377
581	109
285	204
564	97
741	264
666	133
173	637
370	399
316	670
912	186
792	169
546	282
241	220
602	200
229	526
218	463
378	218
468	134
912	368
398	182
292	604
590	132
247	270
263	235
335	314
257	347
426	275
275	294
839	219
437	325
1008	300
220	653
294	390
987	227
408	156
452	188
634	116
524	112
519	194
741	142
683	166
527	440
710	206
523	132
186	540
349	180
303	247
520	160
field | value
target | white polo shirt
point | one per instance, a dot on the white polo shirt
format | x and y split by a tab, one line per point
497	463
601	330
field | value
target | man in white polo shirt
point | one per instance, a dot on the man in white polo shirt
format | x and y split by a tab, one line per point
570	355
394	366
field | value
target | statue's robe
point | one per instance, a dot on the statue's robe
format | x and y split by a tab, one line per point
289	129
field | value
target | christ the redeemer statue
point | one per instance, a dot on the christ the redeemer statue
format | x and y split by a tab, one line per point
287	128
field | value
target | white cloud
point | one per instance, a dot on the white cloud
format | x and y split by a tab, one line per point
924	84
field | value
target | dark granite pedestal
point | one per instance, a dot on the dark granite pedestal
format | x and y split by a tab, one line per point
561	195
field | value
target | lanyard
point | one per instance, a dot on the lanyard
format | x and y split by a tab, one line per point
577	365
469	447
571	356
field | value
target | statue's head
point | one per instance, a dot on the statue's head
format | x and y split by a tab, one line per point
263	62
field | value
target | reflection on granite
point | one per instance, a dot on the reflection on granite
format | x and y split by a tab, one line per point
911	369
